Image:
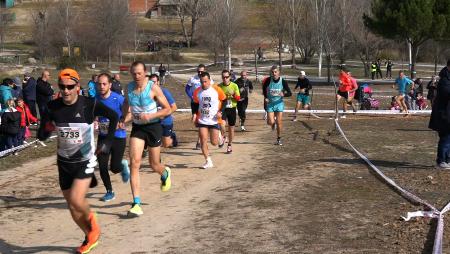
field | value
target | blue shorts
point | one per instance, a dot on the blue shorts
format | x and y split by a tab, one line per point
167	130
303	98
277	106
214	126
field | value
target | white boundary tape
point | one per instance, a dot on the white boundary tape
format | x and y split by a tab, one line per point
434	213
329	111
21	147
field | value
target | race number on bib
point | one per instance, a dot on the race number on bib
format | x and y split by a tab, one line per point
275	92
204	112
70	135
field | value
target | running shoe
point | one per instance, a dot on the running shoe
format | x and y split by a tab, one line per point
343	116
108	196
278	143
208	163
443	165
221	140
135	210
197	146
174	139
229	149
294	120
91	240
166	183
243	128
125	171
265	116
144	153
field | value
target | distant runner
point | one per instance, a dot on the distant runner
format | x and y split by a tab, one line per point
231	91
245	89
303	99
274	89
402	82
208	100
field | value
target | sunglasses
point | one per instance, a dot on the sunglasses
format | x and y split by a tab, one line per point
225	77
63	87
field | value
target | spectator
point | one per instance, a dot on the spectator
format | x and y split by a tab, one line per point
26	118
116	86
432	89
440	118
421	103
411	97
5	93
232	76
92	87
16	90
10	126
389	65
378	68
44	93
260	54
29	92
373	69
162	73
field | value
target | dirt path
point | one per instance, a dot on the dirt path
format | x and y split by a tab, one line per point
310	196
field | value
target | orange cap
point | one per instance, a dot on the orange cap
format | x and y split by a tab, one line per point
69	74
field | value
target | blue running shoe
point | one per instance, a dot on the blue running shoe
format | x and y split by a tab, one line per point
109	196
125	171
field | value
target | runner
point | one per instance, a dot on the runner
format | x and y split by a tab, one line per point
208	107
72	116
346	90
245	88
231	91
191	86
274	89
402	81
142	99
169	137
303	85
113	101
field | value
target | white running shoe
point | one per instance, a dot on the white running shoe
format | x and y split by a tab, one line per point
243	128
343	116
208	163
221	140
265	116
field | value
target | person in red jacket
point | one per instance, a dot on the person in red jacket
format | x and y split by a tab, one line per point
26	119
346	90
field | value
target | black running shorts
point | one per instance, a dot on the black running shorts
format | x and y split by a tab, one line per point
229	115
151	133
69	171
343	94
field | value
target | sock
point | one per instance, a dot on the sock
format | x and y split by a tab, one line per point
137	200
164	175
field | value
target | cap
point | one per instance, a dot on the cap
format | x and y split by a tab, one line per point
69	74
302	73
27	74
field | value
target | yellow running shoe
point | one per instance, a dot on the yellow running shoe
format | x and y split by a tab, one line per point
166	184
135	210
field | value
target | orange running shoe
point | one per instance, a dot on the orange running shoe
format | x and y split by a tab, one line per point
91	240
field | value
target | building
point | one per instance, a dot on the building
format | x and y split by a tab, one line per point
167	7
141	6
6	3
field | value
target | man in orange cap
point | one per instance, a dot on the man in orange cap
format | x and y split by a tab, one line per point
72	116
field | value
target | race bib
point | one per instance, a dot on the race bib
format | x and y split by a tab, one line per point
229	103
275	92
70	135
103	127
204	112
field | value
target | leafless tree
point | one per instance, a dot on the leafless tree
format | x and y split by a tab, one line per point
5	21
278	19
40	16
191	10
113	24
365	44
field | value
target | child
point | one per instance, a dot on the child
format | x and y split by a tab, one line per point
421	103
26	119
10	125
394	104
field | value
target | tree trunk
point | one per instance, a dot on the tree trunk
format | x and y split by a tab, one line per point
185	34
193	30
280	45
415	53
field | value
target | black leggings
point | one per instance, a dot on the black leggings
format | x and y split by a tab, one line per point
242	107
117	151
